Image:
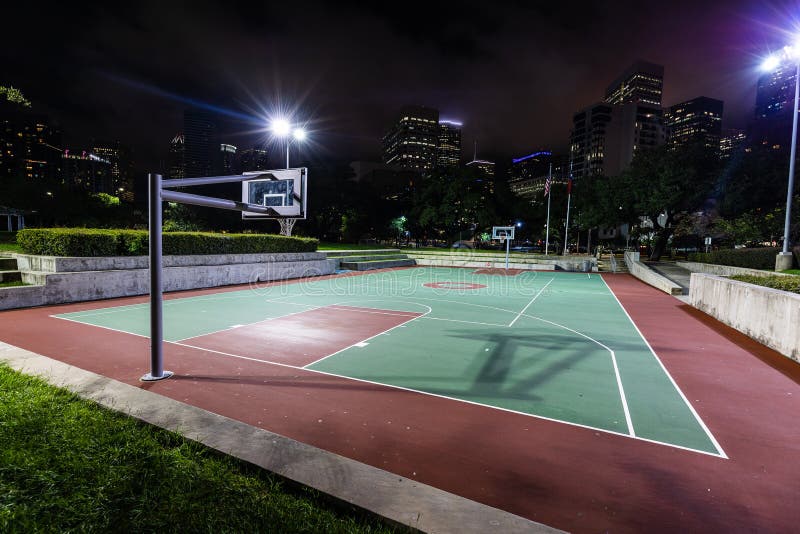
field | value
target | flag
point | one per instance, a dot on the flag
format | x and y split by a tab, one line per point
569	186
547	186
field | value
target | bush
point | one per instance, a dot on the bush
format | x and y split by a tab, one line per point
68	241
784	283
92	242
752	258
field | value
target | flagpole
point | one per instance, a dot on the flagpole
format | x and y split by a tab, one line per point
566	228
547	226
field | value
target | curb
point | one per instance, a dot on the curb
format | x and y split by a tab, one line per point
391	496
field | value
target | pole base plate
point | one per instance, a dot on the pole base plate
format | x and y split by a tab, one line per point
150	378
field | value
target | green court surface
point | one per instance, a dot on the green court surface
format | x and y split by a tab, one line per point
546	344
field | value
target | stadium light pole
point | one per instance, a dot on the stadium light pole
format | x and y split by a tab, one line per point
283	129
790	53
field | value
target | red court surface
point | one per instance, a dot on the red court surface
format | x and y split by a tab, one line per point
572	478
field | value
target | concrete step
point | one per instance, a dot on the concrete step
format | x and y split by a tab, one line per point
340	253
376	257
8	264
481	257
10	276
379	264
604	264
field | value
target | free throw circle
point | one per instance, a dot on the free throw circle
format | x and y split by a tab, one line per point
454	285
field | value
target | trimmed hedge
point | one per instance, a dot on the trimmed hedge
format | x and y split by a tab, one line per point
752	258
88	242
784	283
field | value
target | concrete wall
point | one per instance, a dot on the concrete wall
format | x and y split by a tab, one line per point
76	286
770	316
59	264
453	262
498	260
724	270
650	277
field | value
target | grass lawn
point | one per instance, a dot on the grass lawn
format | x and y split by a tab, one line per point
791	271
67	464
12	284
351	246
10	247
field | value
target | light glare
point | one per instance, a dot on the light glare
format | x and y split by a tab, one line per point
280	127
299	134
771	63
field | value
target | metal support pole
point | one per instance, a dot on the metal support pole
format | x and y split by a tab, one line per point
790	190
566	227
157	371
508	249
287	152
547	225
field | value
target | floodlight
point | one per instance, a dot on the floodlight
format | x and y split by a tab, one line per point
280	127
771	63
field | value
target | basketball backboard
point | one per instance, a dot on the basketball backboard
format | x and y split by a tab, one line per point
502	232
282	190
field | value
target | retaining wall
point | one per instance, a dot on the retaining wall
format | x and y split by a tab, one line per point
649	276
129	276
769	316
498	261
724	270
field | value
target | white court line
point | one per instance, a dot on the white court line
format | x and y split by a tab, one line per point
236	326
620	388
341	307
675	384
536	296
462	321
474	403
99	326
249	293
372	337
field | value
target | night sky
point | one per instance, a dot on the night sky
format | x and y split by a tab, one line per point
513	72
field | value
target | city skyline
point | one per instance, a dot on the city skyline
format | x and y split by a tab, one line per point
512	76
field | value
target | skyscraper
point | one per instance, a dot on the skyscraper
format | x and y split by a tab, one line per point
200	142
448	152
227	161
253	159
588	140
119	157
29	145
731	141
529	173
177	152
641	83
411	143
606	136
774	102
86	171
695	121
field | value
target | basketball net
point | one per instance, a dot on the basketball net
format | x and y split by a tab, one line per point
286	226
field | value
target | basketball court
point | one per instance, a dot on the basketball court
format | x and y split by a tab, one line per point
581	401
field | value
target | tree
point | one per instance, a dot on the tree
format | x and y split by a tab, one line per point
450	201
14	96
662	185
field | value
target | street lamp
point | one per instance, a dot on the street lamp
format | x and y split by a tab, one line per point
790	53
283	129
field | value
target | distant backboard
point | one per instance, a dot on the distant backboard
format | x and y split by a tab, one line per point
502	232
282	190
